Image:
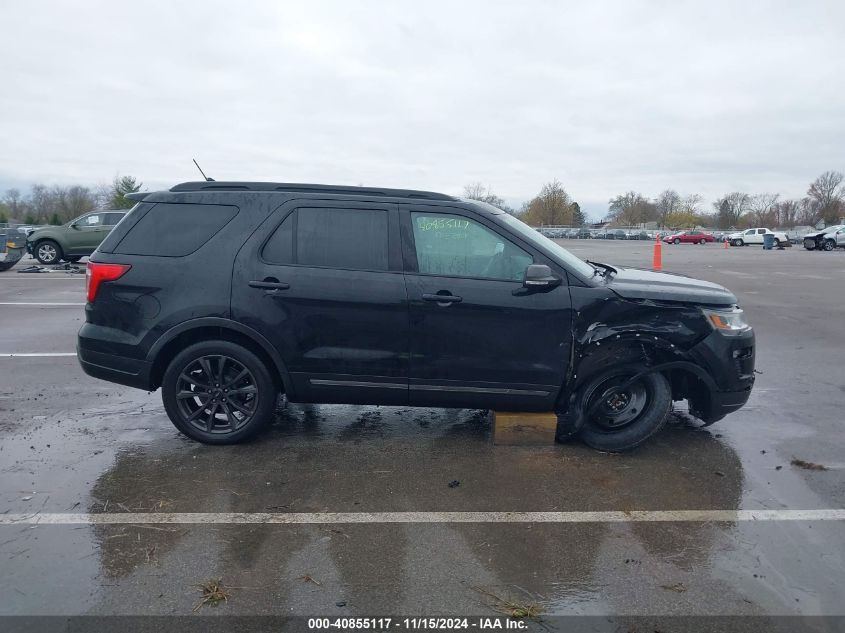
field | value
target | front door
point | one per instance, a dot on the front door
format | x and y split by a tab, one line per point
86	233
323	282
478	337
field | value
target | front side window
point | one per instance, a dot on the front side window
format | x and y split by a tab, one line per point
353	239
92	220
455	246
750	232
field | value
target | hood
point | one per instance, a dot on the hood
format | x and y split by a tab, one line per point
636	283
829	229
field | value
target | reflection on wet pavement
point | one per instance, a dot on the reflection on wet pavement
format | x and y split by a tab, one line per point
124	457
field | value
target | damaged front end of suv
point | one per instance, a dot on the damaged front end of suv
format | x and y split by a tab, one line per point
637	325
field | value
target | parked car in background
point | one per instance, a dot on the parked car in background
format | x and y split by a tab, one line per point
689	237
834	239
755	236
816	240
74	240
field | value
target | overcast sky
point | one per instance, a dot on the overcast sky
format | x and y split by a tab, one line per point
704	97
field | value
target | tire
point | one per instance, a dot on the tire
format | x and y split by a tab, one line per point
829	245
643	415
702	242
676	241
233	419
809	245
48	252
739	242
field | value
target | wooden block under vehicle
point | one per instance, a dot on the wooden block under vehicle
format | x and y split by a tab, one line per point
522	428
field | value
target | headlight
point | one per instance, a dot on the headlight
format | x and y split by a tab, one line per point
728	322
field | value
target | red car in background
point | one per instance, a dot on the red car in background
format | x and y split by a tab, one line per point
689	237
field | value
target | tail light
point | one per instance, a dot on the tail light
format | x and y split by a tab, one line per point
97	273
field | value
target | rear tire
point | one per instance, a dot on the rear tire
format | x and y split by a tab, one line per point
48	252
235	394
619	421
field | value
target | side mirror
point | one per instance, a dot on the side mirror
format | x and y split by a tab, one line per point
539	276
74	226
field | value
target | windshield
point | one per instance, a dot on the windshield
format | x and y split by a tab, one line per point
562	255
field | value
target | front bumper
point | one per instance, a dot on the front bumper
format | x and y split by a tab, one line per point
729	360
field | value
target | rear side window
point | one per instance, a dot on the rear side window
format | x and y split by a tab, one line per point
175	230
334	238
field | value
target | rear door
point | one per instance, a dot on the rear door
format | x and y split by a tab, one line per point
478	338
323	282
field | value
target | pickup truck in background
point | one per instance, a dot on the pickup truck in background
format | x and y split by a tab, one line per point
755	236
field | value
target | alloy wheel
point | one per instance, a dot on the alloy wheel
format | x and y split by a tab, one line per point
47	252
216	394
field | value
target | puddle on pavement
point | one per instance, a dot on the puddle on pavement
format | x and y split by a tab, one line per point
126	457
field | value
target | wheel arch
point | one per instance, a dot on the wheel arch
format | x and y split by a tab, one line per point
688	380
214	328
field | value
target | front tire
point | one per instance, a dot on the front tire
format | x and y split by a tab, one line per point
703	241
619	420
48	252
218	392
676	241
829	245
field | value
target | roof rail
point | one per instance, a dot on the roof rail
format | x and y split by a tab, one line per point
308	188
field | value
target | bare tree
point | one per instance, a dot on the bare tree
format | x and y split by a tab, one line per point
828	192
787	212
690	203
762	208
668	204
13	201
730	208
632	208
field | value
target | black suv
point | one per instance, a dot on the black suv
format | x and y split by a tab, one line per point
226	294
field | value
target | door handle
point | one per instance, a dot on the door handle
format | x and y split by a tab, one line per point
442	299
269	284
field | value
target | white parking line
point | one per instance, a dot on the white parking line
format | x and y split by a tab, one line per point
78	277
635	516
36	354
39	303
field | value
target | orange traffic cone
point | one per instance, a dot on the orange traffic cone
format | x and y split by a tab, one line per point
657	259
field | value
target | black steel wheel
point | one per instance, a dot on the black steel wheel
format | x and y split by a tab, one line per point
48	252
218	392
620	415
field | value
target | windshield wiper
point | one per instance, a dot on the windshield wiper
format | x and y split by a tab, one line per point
607	268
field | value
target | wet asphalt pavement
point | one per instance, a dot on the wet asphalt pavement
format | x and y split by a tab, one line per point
69	443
